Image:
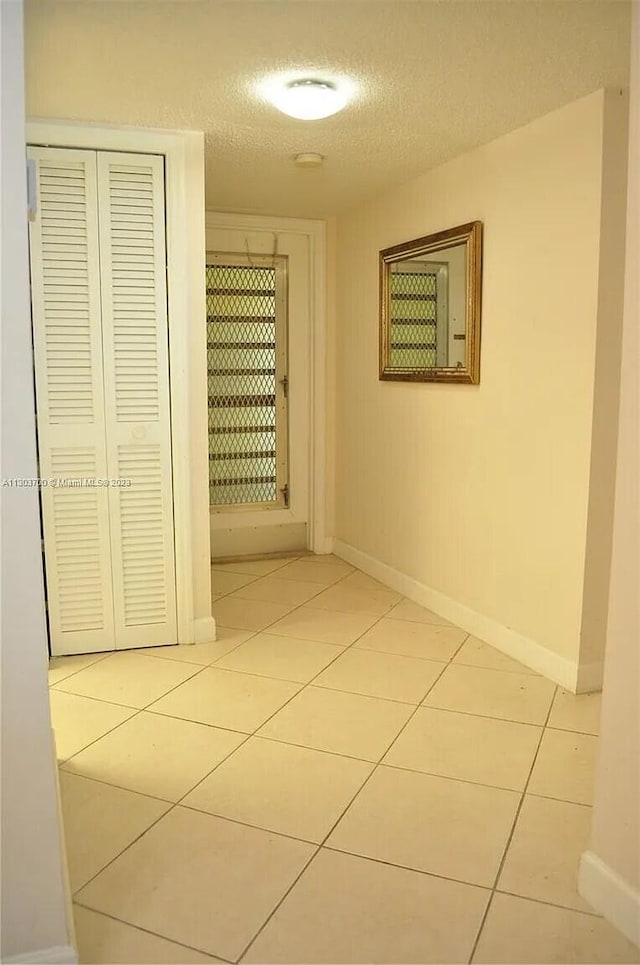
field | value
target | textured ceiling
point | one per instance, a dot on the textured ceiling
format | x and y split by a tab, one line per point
435	78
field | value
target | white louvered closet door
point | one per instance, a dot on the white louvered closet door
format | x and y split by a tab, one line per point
136	379
65	285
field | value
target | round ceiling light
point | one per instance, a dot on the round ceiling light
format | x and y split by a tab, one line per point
309	100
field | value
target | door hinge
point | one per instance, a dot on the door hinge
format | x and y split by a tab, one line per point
285	495
284	382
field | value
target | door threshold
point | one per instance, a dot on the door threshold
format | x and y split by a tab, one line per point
288	555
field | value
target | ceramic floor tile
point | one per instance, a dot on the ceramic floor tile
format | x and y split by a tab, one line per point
202	653
412	639
577	712
361	581
329	720
545	850
521	932
428	823
161	756
283	657
224	581
408	610
324	573
270	589
477	653
348	909
381	675
351	599
480	749
565	767
106	941
279	787
200	881
254	568
128	679
222	698
324	626
493	693
99	822
62	667
78	721
248	614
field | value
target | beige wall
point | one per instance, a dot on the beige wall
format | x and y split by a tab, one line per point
481	492
33	893
610	874
331	375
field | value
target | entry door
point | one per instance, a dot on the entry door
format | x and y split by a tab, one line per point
259	390
98	277
248	380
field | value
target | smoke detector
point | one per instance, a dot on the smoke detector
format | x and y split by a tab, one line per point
308	159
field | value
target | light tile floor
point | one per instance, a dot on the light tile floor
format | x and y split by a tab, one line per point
343	776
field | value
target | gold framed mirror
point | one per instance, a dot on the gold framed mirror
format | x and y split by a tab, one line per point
430	299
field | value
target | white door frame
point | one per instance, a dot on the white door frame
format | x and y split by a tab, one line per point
315	232
183	152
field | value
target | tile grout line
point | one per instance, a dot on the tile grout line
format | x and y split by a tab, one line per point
297	606
177	803
139	710
335	824
252	734
99	659
321	589
174	804
145	709
513	828
65	760
148	931
275	909
377	764
319	847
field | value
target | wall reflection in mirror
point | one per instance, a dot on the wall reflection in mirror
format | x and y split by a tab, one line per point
430	307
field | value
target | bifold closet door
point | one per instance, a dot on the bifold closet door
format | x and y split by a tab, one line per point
136	379
98	267
65	295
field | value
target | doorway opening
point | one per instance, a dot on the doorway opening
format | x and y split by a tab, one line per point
265	366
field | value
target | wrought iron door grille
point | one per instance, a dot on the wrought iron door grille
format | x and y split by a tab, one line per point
414	322
246	358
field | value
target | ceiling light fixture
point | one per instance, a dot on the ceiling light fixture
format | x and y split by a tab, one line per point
309	99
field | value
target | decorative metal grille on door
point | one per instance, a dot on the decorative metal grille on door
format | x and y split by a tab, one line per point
414	317
247	358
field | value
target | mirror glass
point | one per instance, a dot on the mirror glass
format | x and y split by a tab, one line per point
430	307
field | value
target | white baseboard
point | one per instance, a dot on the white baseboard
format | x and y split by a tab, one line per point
204	630
509	642
611	895
58	955
68	899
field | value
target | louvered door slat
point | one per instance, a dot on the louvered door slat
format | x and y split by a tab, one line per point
70	399
136	371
